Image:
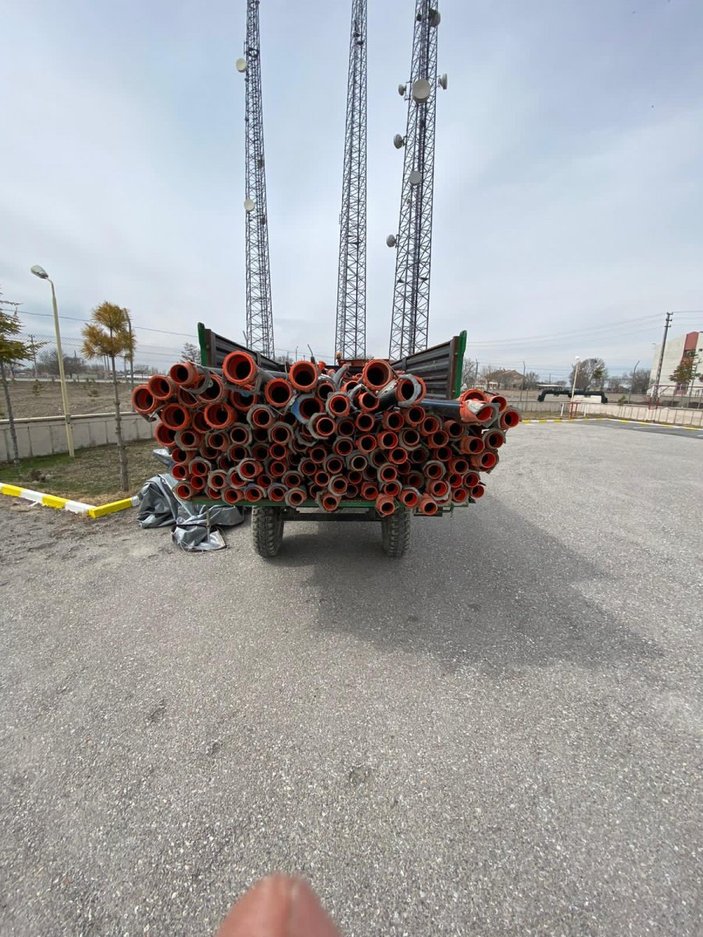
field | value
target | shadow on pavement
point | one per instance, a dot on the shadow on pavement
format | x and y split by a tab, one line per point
482	587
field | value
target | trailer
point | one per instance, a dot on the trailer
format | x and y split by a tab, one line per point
441	369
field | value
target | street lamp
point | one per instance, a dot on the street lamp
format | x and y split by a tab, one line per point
43	275
573	386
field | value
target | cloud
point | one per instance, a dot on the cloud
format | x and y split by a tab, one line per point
567	191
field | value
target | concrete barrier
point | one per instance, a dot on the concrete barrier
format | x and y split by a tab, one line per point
678	416
47	435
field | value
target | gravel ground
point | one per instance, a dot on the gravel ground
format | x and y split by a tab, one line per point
498	735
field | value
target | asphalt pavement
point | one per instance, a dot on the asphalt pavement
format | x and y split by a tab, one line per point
500	734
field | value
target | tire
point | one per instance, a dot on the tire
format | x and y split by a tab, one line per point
267	531
395	533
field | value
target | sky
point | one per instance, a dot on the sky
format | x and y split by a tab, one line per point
568	213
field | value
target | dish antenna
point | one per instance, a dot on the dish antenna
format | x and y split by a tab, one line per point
435	18
402	89
391	240
443	81
241	65
249	205
415	177
398	141
421	90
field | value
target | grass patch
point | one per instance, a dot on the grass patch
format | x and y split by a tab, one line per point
93	476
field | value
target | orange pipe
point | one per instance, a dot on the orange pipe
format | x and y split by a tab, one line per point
346	427
160	387
183	491
398	456
439	489
239	367
303	375
385	505
393	419
391	489
180	471
278	392
460	495
295	497
366	443
376	374
427	506
478	491
410	497
175	417
471	445
387	439
338	405
219	415
369	491
338	485
414	416
509	419
215	391
276	492
365	422
231	495
143	401
453	429
322	426
430	425
344	446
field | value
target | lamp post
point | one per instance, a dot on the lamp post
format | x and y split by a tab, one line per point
43	275
573	386
634	373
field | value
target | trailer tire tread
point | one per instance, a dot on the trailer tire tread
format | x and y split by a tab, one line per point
395	532
267	531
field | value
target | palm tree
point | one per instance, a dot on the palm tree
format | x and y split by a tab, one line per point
109	335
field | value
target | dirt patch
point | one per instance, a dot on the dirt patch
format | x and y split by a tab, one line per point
44	398
93	475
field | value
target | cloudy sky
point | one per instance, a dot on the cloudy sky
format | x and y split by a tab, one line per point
568	208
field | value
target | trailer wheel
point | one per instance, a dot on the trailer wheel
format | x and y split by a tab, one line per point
267	530
395	533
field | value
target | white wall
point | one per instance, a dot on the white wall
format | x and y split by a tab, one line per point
47	435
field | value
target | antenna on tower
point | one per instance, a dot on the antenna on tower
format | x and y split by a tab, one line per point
413	241
350	331
259	325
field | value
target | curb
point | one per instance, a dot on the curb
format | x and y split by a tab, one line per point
94	512
615	419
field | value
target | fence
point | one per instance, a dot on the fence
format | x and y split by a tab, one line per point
47	435
676	416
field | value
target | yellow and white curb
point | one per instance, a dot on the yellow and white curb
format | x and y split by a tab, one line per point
66	504
616	419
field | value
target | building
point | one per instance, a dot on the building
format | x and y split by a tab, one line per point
678	349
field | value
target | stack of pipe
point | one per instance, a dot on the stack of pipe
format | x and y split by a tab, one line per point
244	435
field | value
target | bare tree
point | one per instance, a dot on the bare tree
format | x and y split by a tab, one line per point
12	350
191	352
592	372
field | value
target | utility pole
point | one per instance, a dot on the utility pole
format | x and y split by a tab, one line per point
350	331
259	330
411	286
655	396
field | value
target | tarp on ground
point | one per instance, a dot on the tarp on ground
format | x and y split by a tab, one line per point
194	525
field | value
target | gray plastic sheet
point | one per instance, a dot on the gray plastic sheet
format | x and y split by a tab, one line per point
194	525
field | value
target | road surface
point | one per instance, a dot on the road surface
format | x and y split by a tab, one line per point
498	735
